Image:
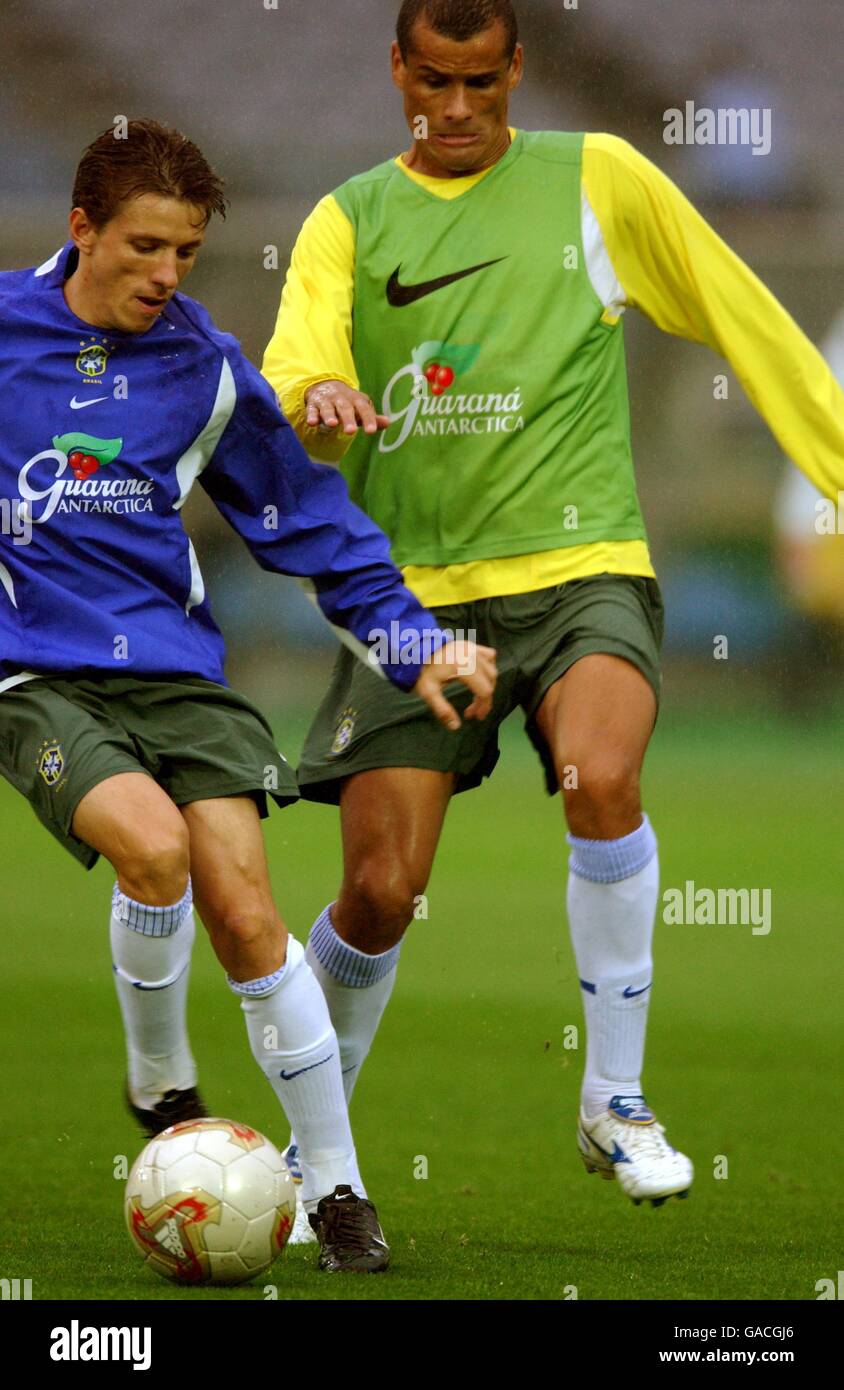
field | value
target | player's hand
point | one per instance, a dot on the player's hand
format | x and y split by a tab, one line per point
474	666
333	404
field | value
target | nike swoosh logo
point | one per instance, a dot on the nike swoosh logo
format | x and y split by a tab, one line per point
289	1075
401	295
80	405
617	1156
631	993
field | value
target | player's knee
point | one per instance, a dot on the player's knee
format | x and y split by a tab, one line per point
603	800
378	902
246	925
156	866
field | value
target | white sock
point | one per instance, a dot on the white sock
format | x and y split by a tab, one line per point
612	896
150	951
357	988
295	1046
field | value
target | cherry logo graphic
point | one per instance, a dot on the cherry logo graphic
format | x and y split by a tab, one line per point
83	465
439	378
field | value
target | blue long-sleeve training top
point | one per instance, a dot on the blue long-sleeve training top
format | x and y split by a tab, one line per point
102	436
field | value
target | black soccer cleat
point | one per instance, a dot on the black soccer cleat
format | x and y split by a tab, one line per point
350	1237
174	1109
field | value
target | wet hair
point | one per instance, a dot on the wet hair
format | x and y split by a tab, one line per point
144	157
456	19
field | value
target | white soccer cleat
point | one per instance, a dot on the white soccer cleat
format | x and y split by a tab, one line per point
627	1144
302	1233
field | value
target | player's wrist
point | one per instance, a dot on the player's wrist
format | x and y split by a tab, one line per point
316	386
409	653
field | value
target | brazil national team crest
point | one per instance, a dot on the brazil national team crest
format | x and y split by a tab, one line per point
345	729
51	762
92	358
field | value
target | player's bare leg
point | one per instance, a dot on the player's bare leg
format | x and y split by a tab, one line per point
231	886
287	1020
130	820
598	719
391	819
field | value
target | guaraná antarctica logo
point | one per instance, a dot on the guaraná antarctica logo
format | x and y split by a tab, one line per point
85	456
435	407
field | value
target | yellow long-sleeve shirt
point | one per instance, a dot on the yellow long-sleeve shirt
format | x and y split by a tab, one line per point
645	247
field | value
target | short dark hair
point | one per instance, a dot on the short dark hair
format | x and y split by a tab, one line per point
457	19
144	157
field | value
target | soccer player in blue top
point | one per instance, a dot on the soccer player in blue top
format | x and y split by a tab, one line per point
117	393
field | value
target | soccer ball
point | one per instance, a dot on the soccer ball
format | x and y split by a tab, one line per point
210	1202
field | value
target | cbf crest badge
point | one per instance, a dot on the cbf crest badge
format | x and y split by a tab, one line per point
51	762
345	730
92	358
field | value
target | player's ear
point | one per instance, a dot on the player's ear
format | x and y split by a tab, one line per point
517	67
83	233
397	65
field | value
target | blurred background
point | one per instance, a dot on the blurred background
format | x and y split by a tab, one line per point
742	779
287	102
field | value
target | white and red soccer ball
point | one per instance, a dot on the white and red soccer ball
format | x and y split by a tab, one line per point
210	1202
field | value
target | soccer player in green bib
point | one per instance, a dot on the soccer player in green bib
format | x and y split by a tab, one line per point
474	289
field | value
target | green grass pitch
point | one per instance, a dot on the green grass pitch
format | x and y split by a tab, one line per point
469	1071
